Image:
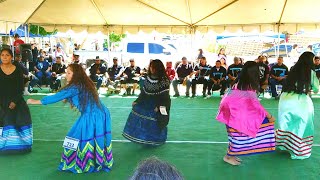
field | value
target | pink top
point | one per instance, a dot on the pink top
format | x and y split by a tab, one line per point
242	111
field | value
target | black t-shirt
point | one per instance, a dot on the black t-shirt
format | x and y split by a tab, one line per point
234	70
131	71
95	67
114	71
184	70
58	68
279	71
218	73
205	69
317	70
264	71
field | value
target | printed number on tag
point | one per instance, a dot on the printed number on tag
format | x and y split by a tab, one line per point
1	131
70	143
279	87
163	110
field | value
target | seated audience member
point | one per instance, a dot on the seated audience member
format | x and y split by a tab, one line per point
234	70
114	74
57	74
317	66
131	76
76	59
184	71
264	72
155	169
278	74
42	70
98	72
217	80
201	71
170	71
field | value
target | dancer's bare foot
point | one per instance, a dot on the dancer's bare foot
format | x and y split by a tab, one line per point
231	160
238	159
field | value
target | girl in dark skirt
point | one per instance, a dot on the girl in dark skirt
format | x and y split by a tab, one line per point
148	120
15	119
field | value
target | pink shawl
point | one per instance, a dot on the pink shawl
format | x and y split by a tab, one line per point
242	111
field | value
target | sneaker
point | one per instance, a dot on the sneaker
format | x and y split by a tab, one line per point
176	95
193	95
187	95
203	95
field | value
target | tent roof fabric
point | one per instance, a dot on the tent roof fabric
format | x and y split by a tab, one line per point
178	16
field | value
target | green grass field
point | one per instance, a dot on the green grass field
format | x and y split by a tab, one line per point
196	145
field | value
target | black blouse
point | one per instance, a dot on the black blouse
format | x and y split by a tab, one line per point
11	86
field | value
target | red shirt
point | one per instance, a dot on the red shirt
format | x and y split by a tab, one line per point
171	73
16	44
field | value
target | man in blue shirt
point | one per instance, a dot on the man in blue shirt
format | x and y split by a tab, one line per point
278	74
217	79
42	70
234	70
201	70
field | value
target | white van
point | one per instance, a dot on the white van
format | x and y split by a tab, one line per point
140	51
143	51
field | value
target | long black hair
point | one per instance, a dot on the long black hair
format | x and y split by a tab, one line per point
87	89
158	66
299	77
249	76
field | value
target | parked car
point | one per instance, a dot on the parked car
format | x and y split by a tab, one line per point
143	51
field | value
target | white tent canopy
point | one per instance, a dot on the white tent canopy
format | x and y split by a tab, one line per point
169	16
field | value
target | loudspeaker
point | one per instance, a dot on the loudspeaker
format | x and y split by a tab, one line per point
26	53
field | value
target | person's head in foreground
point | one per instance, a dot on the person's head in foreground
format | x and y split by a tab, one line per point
249	76
156	169
299	77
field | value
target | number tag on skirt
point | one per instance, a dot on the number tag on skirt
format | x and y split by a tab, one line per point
1	130
163	110
70	143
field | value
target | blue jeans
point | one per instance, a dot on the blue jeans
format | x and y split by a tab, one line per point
43	76
273	83
32	83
